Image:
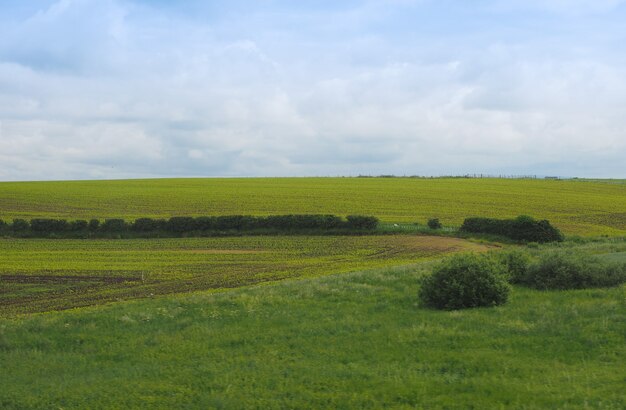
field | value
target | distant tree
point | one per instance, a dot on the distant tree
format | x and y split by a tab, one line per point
181	224
78	225
361	222
94	224
20	225
145	225
114	225
434	223
45	225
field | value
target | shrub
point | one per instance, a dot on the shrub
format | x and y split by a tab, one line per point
42	225
3	225
522	228
235	222
571	270
434	224
294	222
280	222
205	223
113	225
361	222
465	281
78	225
145	225
515	262
181	224
20	225
525	228
94	224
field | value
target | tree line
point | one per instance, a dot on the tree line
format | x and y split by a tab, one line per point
189	225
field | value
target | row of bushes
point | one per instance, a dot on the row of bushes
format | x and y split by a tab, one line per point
522	228
185	224
563	269
474	280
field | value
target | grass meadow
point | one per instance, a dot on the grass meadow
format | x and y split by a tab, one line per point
577	207
354	340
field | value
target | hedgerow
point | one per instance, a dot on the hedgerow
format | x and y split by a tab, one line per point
522	228
184	225
566	269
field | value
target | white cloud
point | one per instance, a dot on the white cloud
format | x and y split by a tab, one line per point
122	90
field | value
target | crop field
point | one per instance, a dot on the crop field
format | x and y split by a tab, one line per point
577	207
39	274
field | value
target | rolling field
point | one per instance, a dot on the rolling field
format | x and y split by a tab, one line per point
355	340
39	274
577	207
300	321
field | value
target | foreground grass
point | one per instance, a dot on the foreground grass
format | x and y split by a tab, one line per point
46	274
354	340
576	207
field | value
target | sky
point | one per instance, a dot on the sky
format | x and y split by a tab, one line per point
105	89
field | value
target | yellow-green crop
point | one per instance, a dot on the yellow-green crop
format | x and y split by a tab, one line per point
44	274
575	206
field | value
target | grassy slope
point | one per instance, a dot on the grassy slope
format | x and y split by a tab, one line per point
577	207
39	274
354	340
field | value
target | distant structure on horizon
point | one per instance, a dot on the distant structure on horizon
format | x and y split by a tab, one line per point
464	176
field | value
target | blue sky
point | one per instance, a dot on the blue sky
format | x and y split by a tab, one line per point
119	88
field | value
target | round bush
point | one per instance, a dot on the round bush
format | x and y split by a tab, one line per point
434	223
571	270
465	281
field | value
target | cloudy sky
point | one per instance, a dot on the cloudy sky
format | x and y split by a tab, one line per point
95	89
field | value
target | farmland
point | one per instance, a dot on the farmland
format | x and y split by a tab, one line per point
577	207
39	275
297	321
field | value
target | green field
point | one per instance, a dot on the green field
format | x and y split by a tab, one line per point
577	207
39	275
301	321
356	340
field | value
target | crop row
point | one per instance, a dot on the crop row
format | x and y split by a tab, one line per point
37	274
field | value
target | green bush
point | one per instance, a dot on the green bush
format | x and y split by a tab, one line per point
206	223
181	224
114	225
235	222
515	262
566	269
94	224
78	225
522	228
20	225
465	281
434	224
361	222
147	225
44	225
